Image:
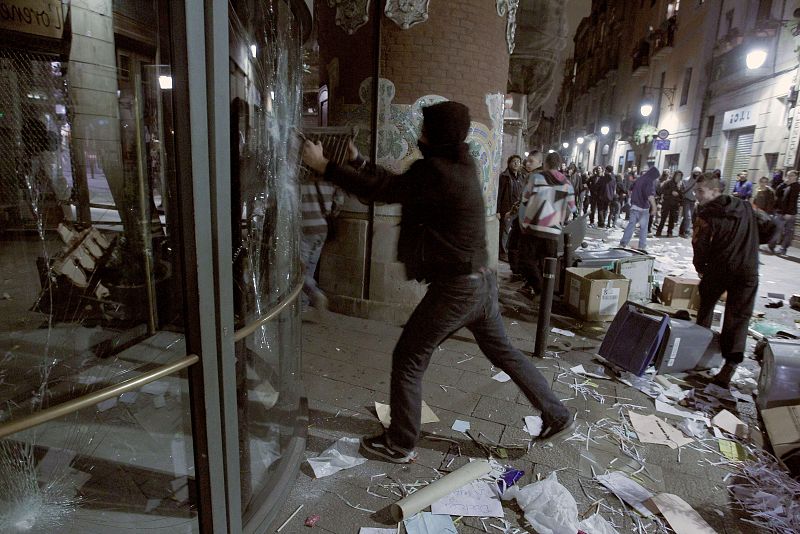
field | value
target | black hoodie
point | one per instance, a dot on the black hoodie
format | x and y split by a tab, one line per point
725	238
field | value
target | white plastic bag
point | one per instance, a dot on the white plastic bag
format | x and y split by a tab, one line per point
548	506
341	455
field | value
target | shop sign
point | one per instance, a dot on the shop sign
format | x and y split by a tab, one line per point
661	144
740	118
39	17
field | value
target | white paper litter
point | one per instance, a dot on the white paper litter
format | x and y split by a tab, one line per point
628	490
129	397
596	524
385	414
501	377
718	392
106	404
693	428
561	332
427	523
341	455
533	425
371	530
159	387
579	370
460	426
730	424
547	505
673	410
476	499
652	429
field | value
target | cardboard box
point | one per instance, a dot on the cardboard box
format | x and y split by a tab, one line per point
783	427
596	294
681	293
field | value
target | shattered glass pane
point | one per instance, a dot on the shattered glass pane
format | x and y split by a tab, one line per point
265	113
89	289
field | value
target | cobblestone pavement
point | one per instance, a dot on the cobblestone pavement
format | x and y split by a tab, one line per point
346	366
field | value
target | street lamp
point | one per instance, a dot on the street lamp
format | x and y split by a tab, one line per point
646	109
550	151
755	58
579	140
604	130
565	144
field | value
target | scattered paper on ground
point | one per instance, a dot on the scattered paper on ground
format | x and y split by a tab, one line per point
460	426
371	530
547	505
652	429
663	407
681	517
628	490
533	425
580	370
428	523
385	415
597	524
502	376
341	455
730	424
718	392
561	332
732	450
476	499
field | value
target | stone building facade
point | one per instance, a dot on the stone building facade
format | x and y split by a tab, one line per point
442	54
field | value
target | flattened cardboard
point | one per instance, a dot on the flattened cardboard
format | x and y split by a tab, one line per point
680	292
596	294
783	427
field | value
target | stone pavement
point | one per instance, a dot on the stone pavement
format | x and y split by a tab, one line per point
346	364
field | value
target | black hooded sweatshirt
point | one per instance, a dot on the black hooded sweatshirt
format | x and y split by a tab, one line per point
725	239
443	227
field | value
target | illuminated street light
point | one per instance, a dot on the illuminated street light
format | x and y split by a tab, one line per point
756	58
526	154
565	144
165	82
646	109
604	130
579	140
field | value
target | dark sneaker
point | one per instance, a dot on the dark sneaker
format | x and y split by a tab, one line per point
379	446
558	430
723	378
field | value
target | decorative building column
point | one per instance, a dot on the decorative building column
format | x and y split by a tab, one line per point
431	51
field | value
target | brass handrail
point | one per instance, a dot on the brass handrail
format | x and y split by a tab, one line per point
267	317
94	397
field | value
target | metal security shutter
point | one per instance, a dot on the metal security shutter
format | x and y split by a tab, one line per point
740	147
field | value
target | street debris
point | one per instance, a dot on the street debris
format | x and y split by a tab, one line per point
475	499
627	490
652	429
341	455
533	425
311	520
547	505
385	417
460	426
501	377
428	523
297	511
681	517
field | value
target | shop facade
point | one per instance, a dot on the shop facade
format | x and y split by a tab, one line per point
149	251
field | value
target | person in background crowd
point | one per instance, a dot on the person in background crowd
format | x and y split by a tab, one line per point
743	188
616	202
664	178
606	188
584	192
764	197
777	180
630	179
576	180
548	203
443	242
593	194
725	244
643	206
508	194
689	200
785	213
533	162
670	203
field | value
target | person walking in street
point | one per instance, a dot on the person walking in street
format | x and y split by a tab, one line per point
508	193
785	213
533	163
548	202
592	192
664	178
670	203
764	197
743	188
443	242
688	201
616	203
606	188
643	206
725	244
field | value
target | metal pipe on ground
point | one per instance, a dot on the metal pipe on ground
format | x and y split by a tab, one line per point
545	305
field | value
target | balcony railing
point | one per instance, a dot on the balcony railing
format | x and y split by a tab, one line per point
663	38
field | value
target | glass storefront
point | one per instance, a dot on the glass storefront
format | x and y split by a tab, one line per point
149	237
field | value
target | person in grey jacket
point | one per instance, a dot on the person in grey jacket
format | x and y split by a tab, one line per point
689	201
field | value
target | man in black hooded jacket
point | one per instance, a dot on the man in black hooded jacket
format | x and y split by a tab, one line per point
725	243
442	241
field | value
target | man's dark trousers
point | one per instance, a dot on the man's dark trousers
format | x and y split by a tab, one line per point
449	304
739	305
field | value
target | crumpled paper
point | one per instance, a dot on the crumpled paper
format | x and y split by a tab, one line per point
548	506
341	455
596	524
